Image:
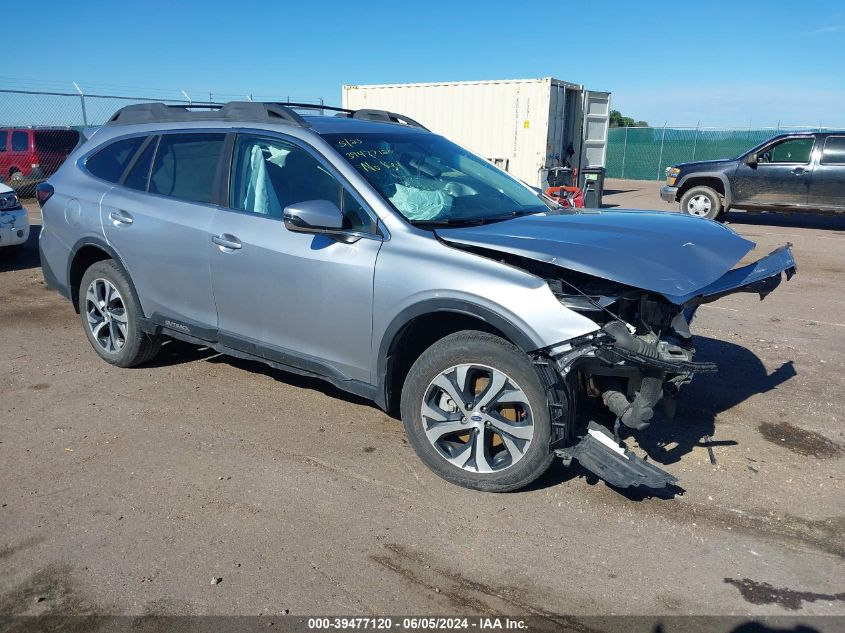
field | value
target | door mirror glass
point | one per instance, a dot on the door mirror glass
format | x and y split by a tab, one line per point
313	216
751	160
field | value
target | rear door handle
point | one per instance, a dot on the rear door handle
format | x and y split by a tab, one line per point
119	216
227	241
800	171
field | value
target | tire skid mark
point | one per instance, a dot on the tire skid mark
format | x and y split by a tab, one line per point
470	596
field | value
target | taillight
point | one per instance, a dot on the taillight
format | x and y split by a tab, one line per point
43	192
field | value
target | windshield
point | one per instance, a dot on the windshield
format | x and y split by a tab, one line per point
430	180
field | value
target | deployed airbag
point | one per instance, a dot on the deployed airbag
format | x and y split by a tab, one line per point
420	204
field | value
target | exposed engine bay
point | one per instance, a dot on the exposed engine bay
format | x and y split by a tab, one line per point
643	353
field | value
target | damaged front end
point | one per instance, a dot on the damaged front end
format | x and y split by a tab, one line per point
639	359
640	277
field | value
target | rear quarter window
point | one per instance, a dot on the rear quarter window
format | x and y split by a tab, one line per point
185	166
110	162
58	141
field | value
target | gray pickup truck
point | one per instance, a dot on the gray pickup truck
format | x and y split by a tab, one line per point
790	172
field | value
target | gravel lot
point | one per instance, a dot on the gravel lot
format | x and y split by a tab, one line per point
127	491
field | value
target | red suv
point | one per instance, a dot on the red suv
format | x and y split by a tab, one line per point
34	153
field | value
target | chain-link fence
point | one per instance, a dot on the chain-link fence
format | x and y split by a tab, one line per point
38	129
644	153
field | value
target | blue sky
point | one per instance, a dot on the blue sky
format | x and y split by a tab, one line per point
721	63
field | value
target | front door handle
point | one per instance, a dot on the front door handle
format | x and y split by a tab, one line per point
119	216
800	171
227	241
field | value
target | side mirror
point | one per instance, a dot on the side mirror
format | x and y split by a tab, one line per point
313	216
751	160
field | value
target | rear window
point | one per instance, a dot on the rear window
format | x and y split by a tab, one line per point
834	151
20	141
185	165
59	141
110	161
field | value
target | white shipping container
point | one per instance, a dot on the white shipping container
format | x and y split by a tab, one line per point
522	125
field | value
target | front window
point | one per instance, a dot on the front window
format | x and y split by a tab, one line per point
269	174
791	150
430	180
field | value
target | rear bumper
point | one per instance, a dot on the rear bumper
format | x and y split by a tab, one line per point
668	194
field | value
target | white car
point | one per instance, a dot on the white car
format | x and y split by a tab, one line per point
14	222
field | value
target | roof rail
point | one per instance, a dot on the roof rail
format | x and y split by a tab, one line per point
364	114
245	111
386	117
232	111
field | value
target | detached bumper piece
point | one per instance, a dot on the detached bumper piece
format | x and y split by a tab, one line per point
599	453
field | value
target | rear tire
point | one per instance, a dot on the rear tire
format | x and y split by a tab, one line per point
111	313
702	202
497	440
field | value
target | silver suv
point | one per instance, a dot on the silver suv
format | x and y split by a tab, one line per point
365	250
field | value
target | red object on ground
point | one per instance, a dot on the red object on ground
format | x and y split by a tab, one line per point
567	196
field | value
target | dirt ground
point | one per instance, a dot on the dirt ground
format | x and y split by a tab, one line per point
127	491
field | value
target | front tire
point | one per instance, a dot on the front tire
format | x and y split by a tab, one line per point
111	313
476	413
702	202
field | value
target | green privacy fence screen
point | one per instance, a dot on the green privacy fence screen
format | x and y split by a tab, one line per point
644	153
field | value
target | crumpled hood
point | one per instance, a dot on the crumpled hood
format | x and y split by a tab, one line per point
668	253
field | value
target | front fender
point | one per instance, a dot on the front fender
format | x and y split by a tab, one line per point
709	174
526	335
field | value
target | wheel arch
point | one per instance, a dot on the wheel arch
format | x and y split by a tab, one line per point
84	253
715	180
415	328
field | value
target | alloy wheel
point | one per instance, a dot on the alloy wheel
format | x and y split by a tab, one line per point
106	315
478	418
